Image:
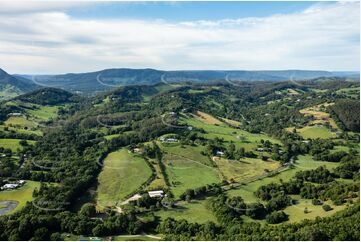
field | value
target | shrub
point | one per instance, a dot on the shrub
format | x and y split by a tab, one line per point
327	207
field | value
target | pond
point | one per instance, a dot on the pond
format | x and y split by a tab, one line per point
7	206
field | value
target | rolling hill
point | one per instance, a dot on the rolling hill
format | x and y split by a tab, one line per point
11	86
93	82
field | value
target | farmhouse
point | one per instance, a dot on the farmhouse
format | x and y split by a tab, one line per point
158	193
220	153
137	150
9	186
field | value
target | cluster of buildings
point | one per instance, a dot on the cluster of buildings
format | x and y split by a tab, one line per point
13	185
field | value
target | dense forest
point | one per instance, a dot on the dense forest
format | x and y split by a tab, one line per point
347	112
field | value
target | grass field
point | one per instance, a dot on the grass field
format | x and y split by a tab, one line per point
244	169
184	173
19	121
320	117
187	151
159	181
231	122
195	212
303	163
44	112
20	130
122	174
22	194
21	125
111	136
296	212
314	132
241	138
12	144
206	118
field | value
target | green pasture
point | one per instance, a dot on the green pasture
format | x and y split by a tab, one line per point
122	174
303	163
22	195
297	213
314	132
245	168
13	144
194	212
184	173
187	151
241	138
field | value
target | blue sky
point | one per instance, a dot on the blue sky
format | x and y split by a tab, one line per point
187	11
46	37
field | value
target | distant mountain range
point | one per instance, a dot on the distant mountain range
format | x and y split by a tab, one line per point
92	82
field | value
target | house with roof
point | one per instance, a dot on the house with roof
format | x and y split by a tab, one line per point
158	193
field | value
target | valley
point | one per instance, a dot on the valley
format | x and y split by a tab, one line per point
142	161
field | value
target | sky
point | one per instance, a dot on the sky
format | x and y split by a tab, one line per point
50	37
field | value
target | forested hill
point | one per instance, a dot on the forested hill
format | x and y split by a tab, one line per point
92	82
11	86
48	96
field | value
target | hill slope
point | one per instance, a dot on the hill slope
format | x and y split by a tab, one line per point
11	86
93	82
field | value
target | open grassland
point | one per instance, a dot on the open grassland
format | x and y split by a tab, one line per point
206	118
187	151
44	112
292	91
303	163
159	181
195	212
122	174
184	173
297	213
340	148
316	132
241	138
111	136
320	117
231	122
245	168
21	125
21	195
13	144
19	121
20	130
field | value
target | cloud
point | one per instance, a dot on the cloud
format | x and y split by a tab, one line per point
324	36
32	6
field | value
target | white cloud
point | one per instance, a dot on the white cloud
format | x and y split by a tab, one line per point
31	6
325	36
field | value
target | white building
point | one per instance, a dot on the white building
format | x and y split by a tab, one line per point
9	186
168	140
15	114
220	153
156	193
